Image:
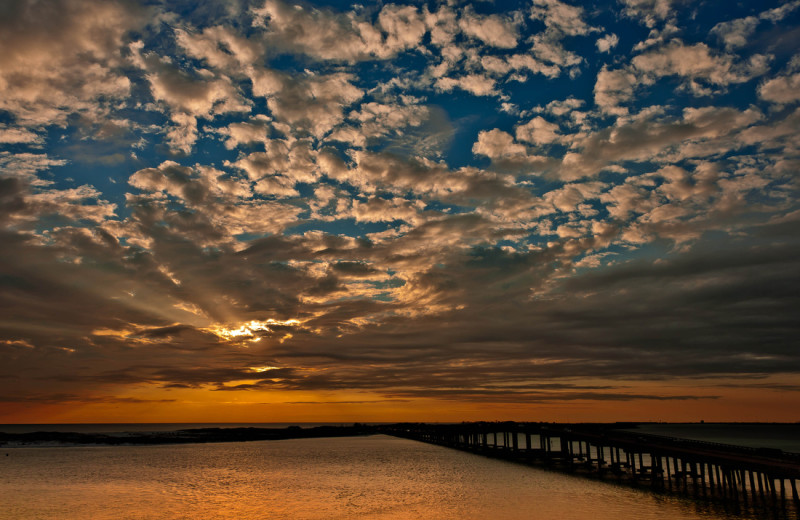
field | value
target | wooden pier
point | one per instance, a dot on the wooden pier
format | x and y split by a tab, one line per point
759	479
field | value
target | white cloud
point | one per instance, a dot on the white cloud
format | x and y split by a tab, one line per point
497	144
607	42
523	62
552	51
779	13
26	166
612	88
539	131
84	203
403	25
473	83
782	89
649	11
493	30
561	107
12	135
646	138
63	59
558	16
326	35
276	185
381	210
735	33
314	103
196	96
442	24
183	134
698	64
221	48
253	131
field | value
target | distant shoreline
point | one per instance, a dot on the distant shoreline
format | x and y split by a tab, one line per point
182	436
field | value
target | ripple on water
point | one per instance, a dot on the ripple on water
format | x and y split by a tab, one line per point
375	477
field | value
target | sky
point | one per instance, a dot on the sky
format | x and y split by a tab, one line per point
269	211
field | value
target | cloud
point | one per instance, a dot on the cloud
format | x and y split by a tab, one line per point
18	136
538	131
475	84
646	139
63	58
607	42
314	104
246	133
649	11
698	64
493	30
221	206
781	89
221	48
612	88
561	17
188	96
735	33
373	120
497	144
325	35
779	13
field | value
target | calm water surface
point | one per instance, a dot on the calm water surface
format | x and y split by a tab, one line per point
784	436
376	477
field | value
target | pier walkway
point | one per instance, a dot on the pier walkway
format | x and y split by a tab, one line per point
758	478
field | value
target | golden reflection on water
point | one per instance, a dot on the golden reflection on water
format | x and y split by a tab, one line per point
374	477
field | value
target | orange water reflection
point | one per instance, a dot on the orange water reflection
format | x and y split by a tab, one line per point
374	477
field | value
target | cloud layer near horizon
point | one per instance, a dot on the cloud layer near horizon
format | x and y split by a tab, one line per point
542	205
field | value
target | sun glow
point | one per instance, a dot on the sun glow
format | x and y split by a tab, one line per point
249	330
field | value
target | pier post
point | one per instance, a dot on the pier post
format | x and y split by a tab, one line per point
703	478
772	488
669	473
685	476
743	481
600	459
711	486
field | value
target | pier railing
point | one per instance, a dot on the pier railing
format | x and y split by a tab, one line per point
757	478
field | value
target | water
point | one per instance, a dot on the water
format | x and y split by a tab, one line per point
375	477
783	436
